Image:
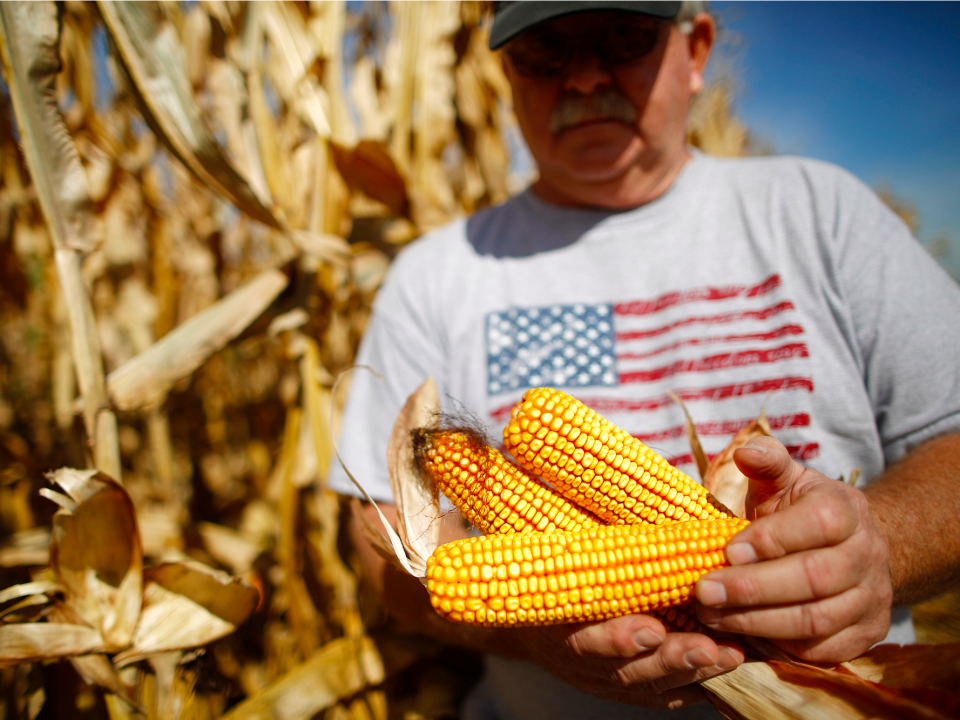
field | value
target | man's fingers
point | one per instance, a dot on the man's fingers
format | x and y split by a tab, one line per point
682	659
823	517
799	577
809	620
849	642
622	637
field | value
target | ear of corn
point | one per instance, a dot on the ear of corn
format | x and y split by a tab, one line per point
598	466
492	493
594	574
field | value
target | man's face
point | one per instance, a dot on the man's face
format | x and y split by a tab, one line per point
597	125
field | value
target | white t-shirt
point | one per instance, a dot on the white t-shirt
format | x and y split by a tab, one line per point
780	284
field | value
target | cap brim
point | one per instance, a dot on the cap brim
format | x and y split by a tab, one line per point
520	16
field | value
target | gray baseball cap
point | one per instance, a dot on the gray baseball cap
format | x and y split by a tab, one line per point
512	18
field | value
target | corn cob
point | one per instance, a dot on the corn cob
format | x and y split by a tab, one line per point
598	466
492	493
594	574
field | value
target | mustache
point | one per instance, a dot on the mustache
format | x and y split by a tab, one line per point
607	104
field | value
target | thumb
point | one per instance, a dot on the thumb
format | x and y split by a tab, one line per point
770	470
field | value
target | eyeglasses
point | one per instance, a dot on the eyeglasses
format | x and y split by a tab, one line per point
543	52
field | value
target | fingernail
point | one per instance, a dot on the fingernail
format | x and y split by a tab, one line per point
710	592
758	448
697	658
727	659
741	553
647	639
708	615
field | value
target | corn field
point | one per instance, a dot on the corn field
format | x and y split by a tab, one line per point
198	203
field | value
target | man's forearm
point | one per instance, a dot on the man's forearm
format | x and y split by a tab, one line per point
916	505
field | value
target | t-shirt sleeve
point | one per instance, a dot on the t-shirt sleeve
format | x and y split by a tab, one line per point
906	314
403	344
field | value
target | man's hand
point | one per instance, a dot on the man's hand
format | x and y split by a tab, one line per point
630	659
812	570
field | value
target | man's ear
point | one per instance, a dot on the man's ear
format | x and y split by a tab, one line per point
700	42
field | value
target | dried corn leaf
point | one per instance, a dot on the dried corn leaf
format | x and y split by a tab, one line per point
412	565
368	167
318	414
373	534
696	448
295	52
30	34
220	594
368	101
339	669
145	379
723	478
776	689
98	670
228	547
218	9
322	246
417	501
95	668
170	621
268	148
288	321
400	76
911	666
328	27
152	57
38	587
25	548
31	601
196	43
31	642
96	554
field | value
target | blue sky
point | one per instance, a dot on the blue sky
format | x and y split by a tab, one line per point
872	87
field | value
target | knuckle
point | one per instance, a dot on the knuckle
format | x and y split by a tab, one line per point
746	590
832	517
815	621
623	646
737	622
819	574
766	542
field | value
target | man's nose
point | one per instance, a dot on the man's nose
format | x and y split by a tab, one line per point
586	72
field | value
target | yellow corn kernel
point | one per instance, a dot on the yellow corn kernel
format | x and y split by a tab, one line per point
492	493
600	467
599	572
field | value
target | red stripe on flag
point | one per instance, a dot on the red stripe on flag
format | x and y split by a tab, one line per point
645	307
808	451
710	394
708	320
718	362
778	333
725	427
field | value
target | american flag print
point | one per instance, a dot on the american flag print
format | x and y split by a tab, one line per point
723	350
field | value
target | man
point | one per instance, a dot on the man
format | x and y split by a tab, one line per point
634	265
